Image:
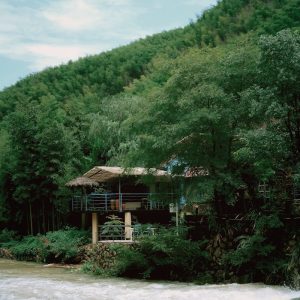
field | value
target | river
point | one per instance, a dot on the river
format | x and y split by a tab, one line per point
22	280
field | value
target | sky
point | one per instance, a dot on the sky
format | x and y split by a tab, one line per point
35	34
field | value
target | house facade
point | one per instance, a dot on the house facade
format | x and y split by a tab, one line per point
129	197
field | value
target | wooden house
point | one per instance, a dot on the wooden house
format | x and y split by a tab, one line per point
127	193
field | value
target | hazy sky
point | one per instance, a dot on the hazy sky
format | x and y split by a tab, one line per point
35	34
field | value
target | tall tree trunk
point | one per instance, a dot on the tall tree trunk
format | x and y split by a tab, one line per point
43	215
28	224
48	221
58	220
30	218
38	218
53	218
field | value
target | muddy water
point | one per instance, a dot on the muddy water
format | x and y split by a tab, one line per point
20	280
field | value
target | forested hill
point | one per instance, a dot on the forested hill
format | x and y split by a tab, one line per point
107	73
147	102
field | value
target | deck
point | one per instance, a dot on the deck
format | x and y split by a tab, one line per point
120	202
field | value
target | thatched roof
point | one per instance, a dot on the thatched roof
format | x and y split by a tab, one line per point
196	172
104	174
82	181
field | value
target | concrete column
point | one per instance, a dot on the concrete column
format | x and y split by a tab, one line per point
94	228
128	229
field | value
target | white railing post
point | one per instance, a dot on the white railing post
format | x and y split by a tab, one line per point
131	234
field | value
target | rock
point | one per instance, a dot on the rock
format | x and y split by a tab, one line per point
5	253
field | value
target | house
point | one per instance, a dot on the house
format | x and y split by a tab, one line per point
133	193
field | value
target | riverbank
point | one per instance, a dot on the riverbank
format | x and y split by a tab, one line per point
165	256
33	281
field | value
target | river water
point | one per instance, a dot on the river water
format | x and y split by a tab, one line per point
21	280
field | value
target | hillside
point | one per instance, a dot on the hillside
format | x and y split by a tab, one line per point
57	123
107	73
221	94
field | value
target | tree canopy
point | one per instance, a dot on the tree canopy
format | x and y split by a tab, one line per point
221	93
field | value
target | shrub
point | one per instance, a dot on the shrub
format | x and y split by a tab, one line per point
162	256
171	256
100	259
293	267
31	248
57	246
130	262
250	248
260	256
64	245
113	228
90	267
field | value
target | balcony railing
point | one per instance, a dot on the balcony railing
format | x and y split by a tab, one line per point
124	232
118	202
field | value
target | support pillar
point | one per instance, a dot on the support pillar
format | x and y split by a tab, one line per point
94	228
128	229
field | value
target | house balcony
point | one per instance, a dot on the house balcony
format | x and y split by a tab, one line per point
122	202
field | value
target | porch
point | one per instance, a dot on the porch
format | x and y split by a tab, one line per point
121	202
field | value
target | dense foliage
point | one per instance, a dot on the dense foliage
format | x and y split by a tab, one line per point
166	255
181	101
58	246
220	95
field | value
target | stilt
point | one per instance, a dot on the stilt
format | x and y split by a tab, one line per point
128	229
94	228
